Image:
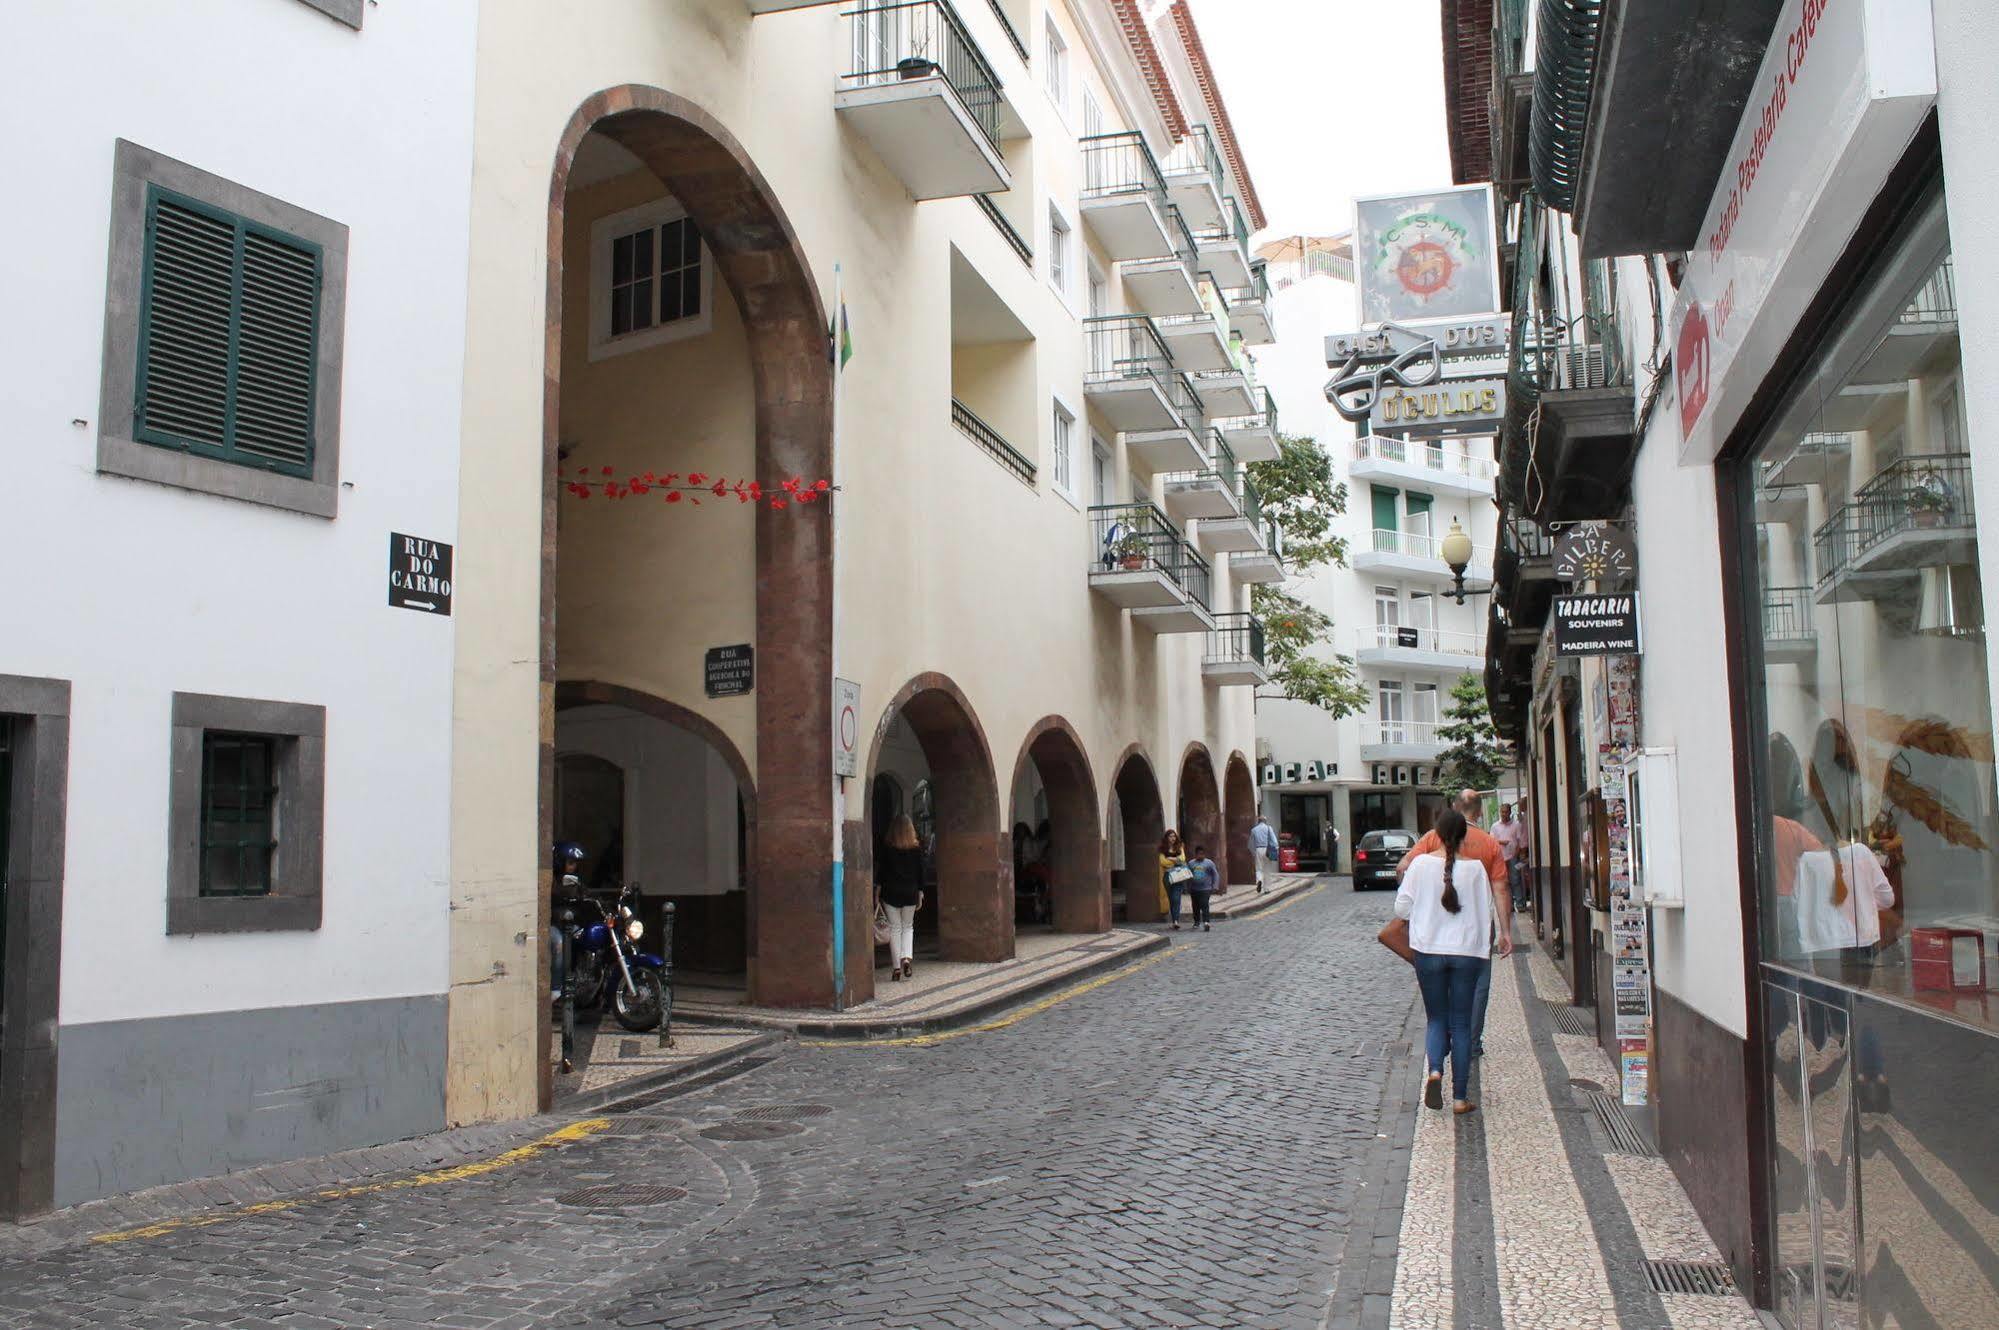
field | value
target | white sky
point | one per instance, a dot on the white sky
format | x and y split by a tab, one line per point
1330	99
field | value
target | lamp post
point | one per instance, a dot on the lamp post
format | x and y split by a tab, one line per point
1457	553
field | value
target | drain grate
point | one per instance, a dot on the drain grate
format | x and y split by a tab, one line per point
751	1131
688	1086
1571	1020
617	1195
1709	1278
640	1126
783	1112
1624	1137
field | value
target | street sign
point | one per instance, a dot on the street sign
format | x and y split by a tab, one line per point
730	671
846	727
1596	625
1595	551
1453	406
1454	337
419	574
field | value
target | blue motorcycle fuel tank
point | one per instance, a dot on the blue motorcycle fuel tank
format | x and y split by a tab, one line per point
595	937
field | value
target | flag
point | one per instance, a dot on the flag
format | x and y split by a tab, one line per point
845	336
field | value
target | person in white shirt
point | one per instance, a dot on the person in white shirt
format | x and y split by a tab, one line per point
1839	897
1263	849
1444	918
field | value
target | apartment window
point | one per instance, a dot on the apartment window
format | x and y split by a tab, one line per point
222	337
1100	473
246	810
1389	692
1058	252
1063	447
651	279
1093	114
1055	69
1423	710
1387	614
1099	292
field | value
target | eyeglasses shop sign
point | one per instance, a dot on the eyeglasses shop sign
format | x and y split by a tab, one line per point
1596	625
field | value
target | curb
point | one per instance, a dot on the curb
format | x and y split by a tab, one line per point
587	1100
967	1015
1249	911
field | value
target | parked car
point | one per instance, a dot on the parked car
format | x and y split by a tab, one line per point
1376	858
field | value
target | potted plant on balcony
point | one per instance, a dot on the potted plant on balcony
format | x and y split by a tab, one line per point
1131	550
917	64
1930	497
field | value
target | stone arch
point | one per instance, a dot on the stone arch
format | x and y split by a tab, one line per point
1199	801
758	254
1142	811
1238	816
1079	883
973	860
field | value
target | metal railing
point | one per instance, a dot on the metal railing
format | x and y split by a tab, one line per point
1265	417
1213	307
1525	539
1548	352
1251	500
1915	492
1006	228
1787	614
1258	289
1236	636
1006	26
1232	227
1411	637
1128	347
1222	467
1400	732
1418	545
1137	537
1436	456
1511	48
1936	301
1197	155
1816	444
990	439
1180	241
914	39
1121	163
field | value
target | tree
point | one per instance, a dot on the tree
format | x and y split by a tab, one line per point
1300	496
1474	759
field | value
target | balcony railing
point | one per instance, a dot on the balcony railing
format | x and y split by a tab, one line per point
1936	302
1264	417
1525	540
990	439
1400	732
1006	26
1258	289
1232	227
1787	614
1137	537
1006	228
1252	501
1236	636
1121	164
1418	545
1128	347
919	38
1197	154
1222	466
1452	461
1181	241
1913	493
1409	637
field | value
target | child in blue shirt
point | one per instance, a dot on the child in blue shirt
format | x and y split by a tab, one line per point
1207	880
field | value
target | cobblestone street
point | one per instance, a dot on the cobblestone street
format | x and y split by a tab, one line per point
1217	1137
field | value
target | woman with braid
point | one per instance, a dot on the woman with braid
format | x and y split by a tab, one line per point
1841	891
1444	913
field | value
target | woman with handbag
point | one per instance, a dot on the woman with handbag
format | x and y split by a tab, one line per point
900	879
1175	877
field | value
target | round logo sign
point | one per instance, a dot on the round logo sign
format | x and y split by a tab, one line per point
1425	268
1595	552
1425	256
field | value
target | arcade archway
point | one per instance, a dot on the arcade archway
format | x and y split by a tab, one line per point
1238	817
1200	804
1139	817
1060	877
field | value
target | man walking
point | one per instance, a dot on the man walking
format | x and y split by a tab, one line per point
1263	849
1480	846
1512	838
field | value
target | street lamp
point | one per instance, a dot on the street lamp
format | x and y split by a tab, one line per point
1457	553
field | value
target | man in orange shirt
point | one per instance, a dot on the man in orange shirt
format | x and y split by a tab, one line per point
1488	851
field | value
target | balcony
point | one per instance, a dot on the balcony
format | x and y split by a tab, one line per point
1249	309
1789	633
1431	650
924	97
1809	461
1196	180
1124	196
1418	556
1131	382
1253	436
1200	342
1523	589
1211	494
1229	393
1432	466
978	431
1265	563
1144	565
1224	248
1164	283
1235	651
1917	513
1400	741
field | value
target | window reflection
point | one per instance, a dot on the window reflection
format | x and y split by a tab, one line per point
1879	863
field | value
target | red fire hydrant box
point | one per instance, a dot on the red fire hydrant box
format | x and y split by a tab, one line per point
1287	853
1947	960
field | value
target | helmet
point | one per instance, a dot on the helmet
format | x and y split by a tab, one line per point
568	851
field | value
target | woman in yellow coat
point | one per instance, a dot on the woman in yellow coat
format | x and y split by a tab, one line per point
1174	874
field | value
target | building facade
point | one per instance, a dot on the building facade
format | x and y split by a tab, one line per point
1753	324
1393	607
233	448
1020	531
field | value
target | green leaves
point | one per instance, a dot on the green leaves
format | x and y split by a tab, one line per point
1298	492
1474	760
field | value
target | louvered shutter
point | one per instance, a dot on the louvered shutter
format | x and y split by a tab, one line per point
228	328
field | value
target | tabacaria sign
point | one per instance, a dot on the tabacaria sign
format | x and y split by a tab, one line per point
1843	86
1596	625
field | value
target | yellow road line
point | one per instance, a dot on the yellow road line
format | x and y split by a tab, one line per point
1282	906
569	1135
998	1023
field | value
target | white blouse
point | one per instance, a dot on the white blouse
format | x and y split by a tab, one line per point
1855	921
1435	930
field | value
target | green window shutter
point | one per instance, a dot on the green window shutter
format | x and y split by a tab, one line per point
1385	518
228	337
1418	503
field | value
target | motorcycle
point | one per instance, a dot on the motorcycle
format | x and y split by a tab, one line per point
605	960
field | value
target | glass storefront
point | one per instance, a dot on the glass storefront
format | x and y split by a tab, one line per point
1878	868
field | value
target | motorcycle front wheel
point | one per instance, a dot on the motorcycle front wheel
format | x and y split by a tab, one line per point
641	1010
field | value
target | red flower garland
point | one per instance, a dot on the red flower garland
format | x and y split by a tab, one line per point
674	487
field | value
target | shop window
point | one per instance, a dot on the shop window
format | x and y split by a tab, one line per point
1879	868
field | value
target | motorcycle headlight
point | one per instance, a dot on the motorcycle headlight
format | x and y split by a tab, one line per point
625	911
635	930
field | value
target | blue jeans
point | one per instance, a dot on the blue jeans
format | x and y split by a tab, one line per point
1449	984
1478	1000
1175	893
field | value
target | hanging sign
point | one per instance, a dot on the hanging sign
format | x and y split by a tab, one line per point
1426	256
1595	552
846	727
730	671
419	574
1596	625
1453	406
1458	337
1407	637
